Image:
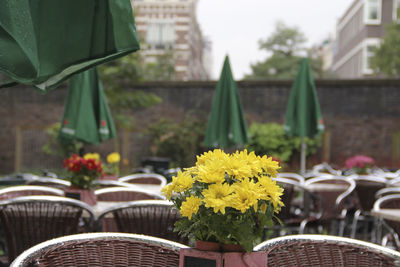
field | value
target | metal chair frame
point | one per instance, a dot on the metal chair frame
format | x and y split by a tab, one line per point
393	228
366	184
291	175
102	249
387	191
394	182
325	250
340	212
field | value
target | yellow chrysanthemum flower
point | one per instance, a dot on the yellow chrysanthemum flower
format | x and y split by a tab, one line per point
271	191
191	171
212	172
216	154
113	157
168	190
238	167
246	195
190	206
218	197
270	166
95	156
182	181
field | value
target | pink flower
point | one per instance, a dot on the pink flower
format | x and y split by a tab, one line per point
359	161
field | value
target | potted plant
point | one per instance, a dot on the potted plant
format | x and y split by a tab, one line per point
226	198
82	172
359	164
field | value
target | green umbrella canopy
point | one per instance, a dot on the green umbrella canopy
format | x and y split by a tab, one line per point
226	125
86	114
303	115
44	42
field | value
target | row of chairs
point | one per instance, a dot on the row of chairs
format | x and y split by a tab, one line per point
118	249
114	193
136	178
338	205
29	220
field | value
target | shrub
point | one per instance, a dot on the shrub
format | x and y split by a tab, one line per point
270	139
180	142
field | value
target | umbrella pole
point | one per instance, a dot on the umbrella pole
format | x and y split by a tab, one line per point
303	156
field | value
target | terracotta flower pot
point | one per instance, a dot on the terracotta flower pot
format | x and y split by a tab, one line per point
85	195
207	245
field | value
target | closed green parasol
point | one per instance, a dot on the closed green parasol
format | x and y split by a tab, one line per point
226	125
42	43
303	115
87	117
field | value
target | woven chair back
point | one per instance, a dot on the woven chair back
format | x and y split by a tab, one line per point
102	249
28	190
124	194
145	178
27	221
326	251
153	218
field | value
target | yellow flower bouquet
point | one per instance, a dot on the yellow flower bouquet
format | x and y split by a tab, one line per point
226	198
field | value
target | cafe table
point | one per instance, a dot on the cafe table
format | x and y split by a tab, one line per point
388	214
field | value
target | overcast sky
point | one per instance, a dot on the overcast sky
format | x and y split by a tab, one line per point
236	26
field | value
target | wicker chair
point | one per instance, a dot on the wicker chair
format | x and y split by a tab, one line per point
28	190
27	221
366	188
326	251
144	178
333	192
124	194
148	217
49	181
110	183
102	249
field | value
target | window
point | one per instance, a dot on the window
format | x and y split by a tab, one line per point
368	52
160	34
372	11
396	10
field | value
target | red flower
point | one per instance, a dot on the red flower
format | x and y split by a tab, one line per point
76	168
90	164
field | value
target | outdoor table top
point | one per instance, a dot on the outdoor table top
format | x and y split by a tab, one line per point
388	214
101	206
322	187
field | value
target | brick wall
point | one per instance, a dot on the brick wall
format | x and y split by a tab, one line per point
362	116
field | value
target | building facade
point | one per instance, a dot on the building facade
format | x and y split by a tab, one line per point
358	32
171	25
